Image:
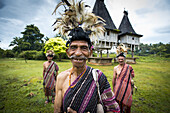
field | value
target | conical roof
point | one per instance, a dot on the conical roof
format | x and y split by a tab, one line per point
126	27
100	10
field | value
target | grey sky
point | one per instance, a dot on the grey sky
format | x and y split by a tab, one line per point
149	18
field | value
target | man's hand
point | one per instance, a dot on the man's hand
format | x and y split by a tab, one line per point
69	110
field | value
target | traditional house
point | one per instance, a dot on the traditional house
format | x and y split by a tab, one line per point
110	36
128	36
113	36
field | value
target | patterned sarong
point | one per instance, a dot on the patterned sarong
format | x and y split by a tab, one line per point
49	79
86	98
123	88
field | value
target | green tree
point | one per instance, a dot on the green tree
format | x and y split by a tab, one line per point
8	54
33	36
57	45
32	40
167	46
144	49
161	49
1	53
20	45
156	49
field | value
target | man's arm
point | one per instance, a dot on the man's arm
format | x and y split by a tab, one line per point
107	95
132	71
58	96
43	69
114	78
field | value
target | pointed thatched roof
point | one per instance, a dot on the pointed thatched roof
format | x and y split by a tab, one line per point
100	10
126	27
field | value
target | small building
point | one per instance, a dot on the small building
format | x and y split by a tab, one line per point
128	36
113	36
110	36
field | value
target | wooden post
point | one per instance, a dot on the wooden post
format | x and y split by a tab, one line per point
97	52
100	53
107	53
132	51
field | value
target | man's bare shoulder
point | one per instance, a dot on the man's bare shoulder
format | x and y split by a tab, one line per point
63	75
116	67
45	63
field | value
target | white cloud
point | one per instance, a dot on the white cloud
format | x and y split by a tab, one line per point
12	21
149	18
145	16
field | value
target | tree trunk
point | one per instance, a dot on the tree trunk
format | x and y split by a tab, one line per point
100	53
59	57
25	59
107	53
132	54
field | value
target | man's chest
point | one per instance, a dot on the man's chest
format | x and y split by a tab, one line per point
118	70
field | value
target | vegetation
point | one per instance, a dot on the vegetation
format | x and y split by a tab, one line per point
159	49
58	45
32	40
21	89
32	45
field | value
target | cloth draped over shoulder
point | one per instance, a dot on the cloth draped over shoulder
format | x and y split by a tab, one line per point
123	88
50	75
86	98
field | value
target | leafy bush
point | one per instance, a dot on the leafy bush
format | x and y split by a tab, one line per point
39	55
8	54
64	56
167	55
30	55
1	53
57	45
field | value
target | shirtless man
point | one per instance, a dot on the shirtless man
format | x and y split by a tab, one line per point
118	68
76	91
79	66
122	77
50	71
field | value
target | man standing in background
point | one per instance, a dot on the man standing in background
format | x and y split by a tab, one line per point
50	72
123	84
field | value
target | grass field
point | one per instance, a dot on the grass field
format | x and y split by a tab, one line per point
21	89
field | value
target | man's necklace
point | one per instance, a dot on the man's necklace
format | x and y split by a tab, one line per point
78	79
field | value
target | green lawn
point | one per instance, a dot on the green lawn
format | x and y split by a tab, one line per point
21	89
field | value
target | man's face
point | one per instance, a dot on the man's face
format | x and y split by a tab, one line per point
78	52
121	60
49	58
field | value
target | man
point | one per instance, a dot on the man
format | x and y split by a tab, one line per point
76	90
50	71
122	86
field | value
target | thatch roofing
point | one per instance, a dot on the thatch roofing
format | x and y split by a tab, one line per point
126	27
100	10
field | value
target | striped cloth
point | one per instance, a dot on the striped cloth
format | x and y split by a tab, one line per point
49	79
123	88
86	98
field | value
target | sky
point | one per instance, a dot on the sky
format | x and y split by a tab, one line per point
148	18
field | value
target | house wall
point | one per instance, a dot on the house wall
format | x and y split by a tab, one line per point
130	40
107	40
111	37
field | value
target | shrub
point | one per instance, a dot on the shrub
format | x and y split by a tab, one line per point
39	55
167	55
1	53
9	54
28	54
